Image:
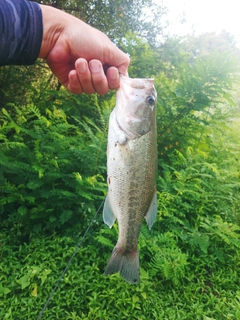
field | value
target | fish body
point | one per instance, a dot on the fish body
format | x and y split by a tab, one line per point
132	166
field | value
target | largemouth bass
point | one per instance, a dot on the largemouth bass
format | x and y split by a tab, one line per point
131	166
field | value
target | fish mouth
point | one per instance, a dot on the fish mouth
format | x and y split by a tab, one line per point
129	85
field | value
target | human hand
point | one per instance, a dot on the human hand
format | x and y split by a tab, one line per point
78	54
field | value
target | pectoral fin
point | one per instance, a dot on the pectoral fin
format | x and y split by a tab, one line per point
108	215
152	212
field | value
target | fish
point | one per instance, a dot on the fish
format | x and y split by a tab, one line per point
131	172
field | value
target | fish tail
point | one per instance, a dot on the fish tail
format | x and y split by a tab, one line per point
127	264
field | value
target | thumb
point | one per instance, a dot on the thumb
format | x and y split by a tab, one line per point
118	59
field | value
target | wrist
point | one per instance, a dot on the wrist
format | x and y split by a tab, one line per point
53	26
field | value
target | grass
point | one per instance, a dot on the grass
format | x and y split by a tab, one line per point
31	268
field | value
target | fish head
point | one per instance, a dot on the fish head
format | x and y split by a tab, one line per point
135	106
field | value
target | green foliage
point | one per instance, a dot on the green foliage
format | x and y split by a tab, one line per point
52	180
49	176
116	18
30	271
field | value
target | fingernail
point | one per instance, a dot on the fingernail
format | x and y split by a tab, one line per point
95	65
82	67
113	73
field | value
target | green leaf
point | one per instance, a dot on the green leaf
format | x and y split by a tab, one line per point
4	290
44	275
22	210
135	299
24	281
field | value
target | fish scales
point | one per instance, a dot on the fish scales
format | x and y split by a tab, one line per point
136	199
132	166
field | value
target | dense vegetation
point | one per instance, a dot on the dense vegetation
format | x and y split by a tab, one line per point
52	181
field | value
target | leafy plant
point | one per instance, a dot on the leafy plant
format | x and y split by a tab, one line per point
52	179
200	288
48	176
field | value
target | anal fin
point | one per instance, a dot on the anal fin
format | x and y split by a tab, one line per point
152	212
108	215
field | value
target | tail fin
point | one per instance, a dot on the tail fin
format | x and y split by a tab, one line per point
127	264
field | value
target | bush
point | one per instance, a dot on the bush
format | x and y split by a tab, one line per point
50	171
52	179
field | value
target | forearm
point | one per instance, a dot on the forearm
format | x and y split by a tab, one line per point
20	32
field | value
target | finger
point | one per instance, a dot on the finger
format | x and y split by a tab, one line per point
84	76
73	83
123	68
118	59
113	78
99	79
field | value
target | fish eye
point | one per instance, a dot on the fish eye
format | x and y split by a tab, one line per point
150	100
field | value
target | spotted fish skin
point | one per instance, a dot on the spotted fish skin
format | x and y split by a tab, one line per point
132	167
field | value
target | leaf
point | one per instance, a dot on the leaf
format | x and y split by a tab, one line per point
24	281
135	299
228	97
4	111
22	210
103	240
34	291
144	274
44	275
143	294
4	290
65	216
